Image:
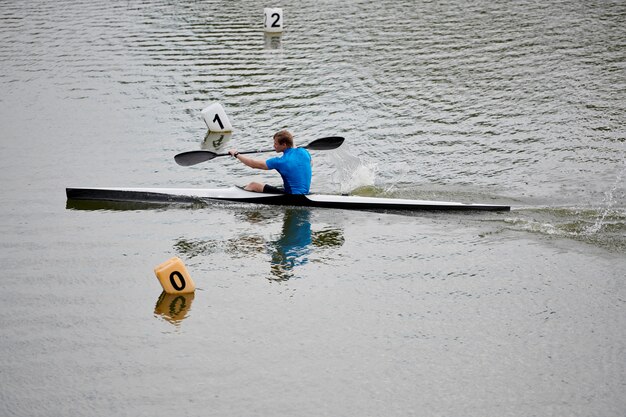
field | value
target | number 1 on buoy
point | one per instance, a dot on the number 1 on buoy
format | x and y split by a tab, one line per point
216	119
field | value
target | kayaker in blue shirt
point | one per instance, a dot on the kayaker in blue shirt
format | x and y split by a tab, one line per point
294	166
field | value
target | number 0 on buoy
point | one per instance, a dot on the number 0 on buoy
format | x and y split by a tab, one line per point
174	277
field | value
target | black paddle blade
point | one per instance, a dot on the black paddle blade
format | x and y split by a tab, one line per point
325	144
194	157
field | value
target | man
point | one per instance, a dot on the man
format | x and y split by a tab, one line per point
294	166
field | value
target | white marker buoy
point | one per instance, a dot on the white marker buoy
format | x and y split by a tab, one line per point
273	20
215	118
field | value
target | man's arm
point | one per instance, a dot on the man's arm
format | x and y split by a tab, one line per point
252	163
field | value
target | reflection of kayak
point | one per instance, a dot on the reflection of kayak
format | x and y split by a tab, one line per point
235	194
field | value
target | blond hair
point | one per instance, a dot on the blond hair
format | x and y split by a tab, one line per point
284	138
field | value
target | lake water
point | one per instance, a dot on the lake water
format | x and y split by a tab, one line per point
310	312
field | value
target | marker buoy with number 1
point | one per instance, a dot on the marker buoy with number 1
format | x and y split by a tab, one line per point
215	118
174	277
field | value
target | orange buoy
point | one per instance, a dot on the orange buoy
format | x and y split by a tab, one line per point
174	278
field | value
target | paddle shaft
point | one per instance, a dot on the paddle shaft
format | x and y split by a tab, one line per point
196	157
245	152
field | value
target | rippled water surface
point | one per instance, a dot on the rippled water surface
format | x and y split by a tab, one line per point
302	311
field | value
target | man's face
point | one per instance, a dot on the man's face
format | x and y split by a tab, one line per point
278	147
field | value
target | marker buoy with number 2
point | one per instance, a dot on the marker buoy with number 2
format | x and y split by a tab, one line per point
215	118
174	277
273	20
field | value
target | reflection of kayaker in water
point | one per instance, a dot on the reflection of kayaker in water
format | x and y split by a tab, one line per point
294	245
296	241
290	249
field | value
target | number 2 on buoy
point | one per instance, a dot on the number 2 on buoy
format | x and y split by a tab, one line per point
273	20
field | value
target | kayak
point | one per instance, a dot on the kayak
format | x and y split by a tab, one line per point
236	194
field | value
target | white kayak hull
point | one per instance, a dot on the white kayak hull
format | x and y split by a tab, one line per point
235	194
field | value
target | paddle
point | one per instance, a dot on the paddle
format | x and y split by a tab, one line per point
195	157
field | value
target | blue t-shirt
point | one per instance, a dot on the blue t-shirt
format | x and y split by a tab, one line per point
295	168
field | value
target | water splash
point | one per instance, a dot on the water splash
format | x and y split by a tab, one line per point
608	203
604	228
352	172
